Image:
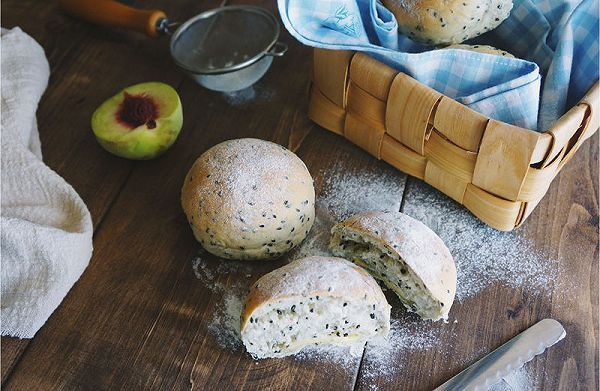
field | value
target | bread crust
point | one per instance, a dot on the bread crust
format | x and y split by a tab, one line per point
311	277
248	199
486	49
409	239
435	22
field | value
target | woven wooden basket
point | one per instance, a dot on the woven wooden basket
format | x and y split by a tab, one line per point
498	171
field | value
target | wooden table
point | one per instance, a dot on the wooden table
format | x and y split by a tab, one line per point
137	317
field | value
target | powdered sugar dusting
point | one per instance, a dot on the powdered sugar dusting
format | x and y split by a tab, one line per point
483	255
406	335
225	324
346	193
252	94
517	380
310	275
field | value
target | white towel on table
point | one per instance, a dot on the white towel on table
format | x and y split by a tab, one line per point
46	229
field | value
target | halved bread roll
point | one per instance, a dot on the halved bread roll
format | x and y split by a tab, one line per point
313	301
405	254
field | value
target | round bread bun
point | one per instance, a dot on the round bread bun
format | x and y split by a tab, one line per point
249	199
405	254
435	22
486	49
312	301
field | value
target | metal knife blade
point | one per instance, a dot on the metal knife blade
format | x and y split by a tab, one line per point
507	358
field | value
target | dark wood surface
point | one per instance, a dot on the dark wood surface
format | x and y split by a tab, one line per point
137	317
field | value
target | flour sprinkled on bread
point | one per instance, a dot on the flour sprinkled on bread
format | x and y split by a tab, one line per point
405	254
313	301
435	22
249	199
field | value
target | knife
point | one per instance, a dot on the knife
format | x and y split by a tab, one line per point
507	358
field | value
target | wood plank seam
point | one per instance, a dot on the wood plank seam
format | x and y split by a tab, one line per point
360	368
15	364
409	179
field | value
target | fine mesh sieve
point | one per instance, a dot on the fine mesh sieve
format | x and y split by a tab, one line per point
227	48
224	49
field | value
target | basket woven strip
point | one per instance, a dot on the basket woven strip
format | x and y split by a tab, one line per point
498	171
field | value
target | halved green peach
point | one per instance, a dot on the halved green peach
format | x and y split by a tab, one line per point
140	122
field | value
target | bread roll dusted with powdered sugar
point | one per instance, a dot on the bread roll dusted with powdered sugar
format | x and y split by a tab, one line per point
312	301
249	199
435	22
405	254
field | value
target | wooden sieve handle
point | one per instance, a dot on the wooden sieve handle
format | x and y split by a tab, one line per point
112	13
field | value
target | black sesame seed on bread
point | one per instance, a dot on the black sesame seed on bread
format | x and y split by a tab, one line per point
249	199
313	301
405	254
435	22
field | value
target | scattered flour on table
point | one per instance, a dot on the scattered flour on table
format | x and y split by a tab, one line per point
344	194
203	273
253	94
405	335
517	380
483	255
225	325
380	360
212	272
345	356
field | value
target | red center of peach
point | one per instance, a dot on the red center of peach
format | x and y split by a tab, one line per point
136	110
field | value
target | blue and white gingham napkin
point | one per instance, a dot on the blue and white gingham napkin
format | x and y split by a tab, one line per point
556	39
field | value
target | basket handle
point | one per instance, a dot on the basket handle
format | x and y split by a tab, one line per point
573	128
112	13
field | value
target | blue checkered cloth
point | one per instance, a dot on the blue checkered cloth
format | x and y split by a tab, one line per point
556	42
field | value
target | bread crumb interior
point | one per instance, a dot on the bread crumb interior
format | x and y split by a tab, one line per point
284	327
388	267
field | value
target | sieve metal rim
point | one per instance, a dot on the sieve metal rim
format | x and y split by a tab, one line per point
250	8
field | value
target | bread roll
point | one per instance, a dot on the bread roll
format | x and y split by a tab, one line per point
249	199
312	301
435	22
481	49
405	254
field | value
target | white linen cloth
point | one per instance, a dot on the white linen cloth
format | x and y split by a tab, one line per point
46	229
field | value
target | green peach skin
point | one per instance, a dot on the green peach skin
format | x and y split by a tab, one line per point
140	143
